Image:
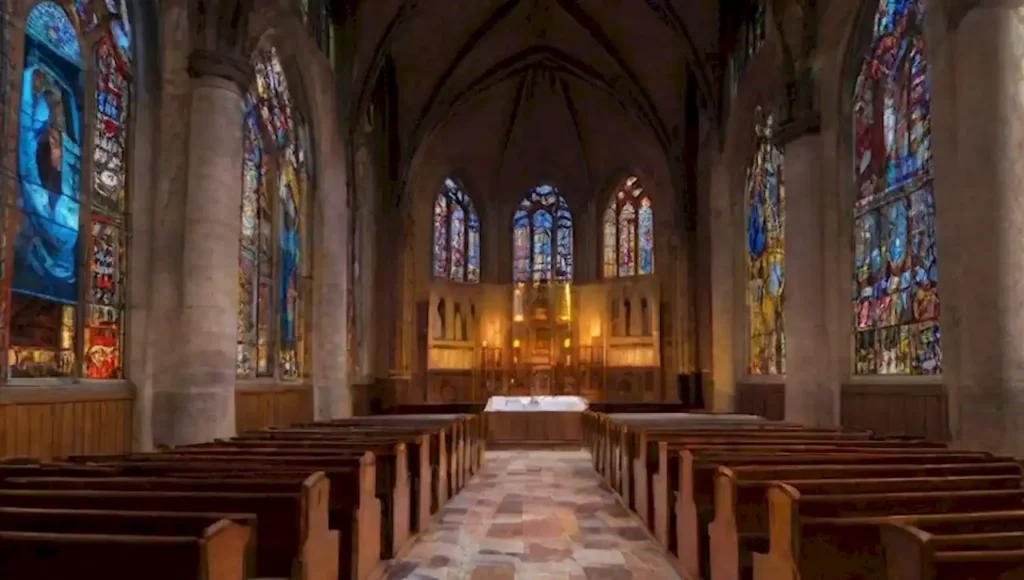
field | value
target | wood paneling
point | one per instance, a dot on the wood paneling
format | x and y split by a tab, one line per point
450	386
272	406
920	410
534	428
632	384
765	399
49	425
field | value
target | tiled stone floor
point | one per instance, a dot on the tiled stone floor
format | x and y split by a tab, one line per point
535	515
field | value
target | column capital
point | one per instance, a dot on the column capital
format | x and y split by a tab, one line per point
212	63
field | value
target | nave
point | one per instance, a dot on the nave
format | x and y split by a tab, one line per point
537	515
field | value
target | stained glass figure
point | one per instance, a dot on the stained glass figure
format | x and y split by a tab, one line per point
44	284
542	248
896	300
628	221
766	236
104	325
456	235
274	269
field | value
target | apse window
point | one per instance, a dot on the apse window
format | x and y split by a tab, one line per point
628	228
456	235
542	249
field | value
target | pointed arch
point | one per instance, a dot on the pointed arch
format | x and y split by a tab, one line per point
896	326
542	237
766	241
275	269
456	235
628	231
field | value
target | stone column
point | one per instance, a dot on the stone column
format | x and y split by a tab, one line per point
808	400
332	392
723	290
200	406
984	201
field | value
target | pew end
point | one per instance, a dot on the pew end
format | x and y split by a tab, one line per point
780	563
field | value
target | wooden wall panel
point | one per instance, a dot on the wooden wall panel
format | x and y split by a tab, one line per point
262	407
765	399
49	426
920	410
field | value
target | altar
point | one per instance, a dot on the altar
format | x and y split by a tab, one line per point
539	421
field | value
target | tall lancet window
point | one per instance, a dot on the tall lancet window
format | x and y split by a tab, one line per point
628	231
542	247
274	264
57	289
896	298
456	235
766	241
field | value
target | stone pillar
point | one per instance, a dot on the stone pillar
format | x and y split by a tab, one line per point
332	395
984	200
808	400
723	290
200	406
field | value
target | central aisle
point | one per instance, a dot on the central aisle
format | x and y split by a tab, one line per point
537	515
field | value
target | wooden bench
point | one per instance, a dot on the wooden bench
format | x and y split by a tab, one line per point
216	553
292	526
124	523
692	484
664	481
381	514
740	524
839	536
961	546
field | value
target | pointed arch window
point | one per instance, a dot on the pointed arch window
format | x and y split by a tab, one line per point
628	231
896	298
275	270
456	235
766	241
542	246
54	297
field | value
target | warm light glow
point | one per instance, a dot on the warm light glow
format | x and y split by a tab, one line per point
568	302
567	343
595	328
485	344
515	343
518	318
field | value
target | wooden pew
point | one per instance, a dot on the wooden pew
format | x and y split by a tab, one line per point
380	491
664	480
694	480
125	523
839	537
740	524
393	482
960	546
282	542
217	553
438	453
418	457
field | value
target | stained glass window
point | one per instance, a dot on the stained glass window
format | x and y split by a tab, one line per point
104	327
456	235
274	268
896	301
766	275
628	231
6	172
542	247
44	283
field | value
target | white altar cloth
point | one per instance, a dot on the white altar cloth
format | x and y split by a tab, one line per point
545	403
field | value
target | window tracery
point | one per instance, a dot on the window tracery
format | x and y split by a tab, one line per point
628	231
542	245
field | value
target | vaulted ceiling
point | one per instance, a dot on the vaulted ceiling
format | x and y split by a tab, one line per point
568	76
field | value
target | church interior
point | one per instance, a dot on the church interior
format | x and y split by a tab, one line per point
583	289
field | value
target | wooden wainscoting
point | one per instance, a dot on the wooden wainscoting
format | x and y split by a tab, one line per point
48	422
920	410
259	407
451	386
765	399
633	384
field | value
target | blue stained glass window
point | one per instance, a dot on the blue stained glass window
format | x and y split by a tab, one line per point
895	299
48	24
628	231
542	247
456	235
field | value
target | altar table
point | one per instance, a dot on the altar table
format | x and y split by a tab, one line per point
544	421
